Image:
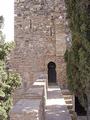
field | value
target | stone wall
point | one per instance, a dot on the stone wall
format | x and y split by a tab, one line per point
40	38
30	105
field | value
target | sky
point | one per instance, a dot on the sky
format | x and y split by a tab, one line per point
7	10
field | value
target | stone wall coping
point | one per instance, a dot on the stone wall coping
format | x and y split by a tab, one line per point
25	105
40	82
32	93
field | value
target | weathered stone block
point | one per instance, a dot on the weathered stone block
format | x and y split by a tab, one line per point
27	110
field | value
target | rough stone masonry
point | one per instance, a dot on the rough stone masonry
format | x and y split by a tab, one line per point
40	37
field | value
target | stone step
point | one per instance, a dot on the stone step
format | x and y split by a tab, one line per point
74	116
68	101
66	92
71	111
67	97
69	106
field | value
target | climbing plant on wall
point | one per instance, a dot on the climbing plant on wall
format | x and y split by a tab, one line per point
78	56
8	80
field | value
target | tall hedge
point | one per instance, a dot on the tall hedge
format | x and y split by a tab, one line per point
78	56
8	80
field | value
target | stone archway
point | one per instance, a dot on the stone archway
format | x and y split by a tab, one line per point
52	72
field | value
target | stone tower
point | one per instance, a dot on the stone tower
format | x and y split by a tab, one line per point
40	38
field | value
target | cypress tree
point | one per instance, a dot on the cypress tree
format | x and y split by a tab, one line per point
78	56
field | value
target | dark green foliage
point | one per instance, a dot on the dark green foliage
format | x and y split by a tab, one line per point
9	81
78	56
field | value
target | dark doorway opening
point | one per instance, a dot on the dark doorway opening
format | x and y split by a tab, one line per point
79	109
51	72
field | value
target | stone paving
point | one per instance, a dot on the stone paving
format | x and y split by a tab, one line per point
55	105
82	118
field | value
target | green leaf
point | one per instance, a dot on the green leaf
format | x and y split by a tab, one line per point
2	94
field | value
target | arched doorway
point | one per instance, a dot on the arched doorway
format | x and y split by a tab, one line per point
51	72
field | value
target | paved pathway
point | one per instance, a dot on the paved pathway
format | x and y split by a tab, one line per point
55	105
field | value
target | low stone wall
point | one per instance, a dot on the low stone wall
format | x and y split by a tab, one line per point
30	105
41	83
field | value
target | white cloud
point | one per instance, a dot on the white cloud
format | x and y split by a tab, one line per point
7	10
